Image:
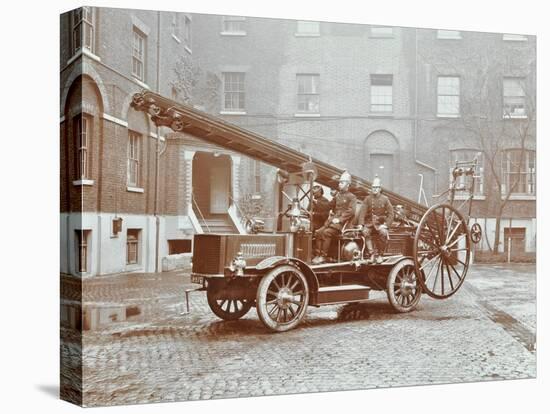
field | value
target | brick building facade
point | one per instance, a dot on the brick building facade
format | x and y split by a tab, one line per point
360	97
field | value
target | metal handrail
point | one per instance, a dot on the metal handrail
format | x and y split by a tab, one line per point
236	204
199	210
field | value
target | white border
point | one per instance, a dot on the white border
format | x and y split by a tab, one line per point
30	316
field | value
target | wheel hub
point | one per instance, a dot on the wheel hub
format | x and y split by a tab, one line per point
407	286
445	250
284	297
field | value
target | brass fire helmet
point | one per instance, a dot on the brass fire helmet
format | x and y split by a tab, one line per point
351	250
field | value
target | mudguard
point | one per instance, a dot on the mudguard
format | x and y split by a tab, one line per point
275	261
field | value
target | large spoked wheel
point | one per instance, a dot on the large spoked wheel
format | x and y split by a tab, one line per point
441	251
225	308
282	298
403	288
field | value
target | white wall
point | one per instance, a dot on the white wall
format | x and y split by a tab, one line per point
488	226
107	252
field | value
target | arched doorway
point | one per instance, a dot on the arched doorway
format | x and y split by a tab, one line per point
211	183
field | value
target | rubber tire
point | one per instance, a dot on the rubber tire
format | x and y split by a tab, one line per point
222	314
390	284
261	298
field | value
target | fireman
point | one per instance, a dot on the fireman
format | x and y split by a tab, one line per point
375	217
320	207
342	210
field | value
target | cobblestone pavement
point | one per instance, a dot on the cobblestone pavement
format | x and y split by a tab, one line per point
163	355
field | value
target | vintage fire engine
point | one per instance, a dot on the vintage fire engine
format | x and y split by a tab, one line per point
428	251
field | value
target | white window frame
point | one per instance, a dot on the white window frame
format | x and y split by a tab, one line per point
134	244
509	37
176	26
134	158
379	88
82	250
82	128
235	90
227	23
518	95
527	173
381	32
308	28
467	154
187	32
308	100
449	34
444	93
139	47
83	29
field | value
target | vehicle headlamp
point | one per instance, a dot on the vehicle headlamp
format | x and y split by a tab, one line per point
238	264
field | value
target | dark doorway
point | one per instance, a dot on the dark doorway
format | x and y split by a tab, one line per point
515	237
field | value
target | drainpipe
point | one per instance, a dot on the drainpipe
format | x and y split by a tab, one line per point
415	132
157	159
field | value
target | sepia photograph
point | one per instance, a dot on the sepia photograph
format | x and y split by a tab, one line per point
254	206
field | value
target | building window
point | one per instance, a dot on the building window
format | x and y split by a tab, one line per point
179	246
514	37
308	93
514	98
176	25
381	93
138	55
307	28
518	172
381	31
233	91
132	246
82	240
464	181
449	34
448	96
234	25
82	134
134	141
187	31
83	29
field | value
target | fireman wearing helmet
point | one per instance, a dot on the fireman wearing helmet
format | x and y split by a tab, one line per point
342	210
375	216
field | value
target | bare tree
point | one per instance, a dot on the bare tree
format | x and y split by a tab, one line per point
497	115
194	85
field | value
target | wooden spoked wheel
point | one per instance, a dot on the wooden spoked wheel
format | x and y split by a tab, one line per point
226	308
476	233
282	298
441	251
403	287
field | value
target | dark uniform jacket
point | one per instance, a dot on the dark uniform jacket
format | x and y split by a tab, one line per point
379	206
343	208
321	209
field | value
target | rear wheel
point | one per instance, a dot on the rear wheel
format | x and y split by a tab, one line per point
226	308
403	288
282	298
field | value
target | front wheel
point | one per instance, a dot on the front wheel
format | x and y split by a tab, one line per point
403	288
227	308
282	298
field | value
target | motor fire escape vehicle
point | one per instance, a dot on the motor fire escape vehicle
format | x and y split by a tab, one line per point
428	251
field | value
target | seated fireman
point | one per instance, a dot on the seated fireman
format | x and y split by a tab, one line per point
343	208
375	216
320	207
